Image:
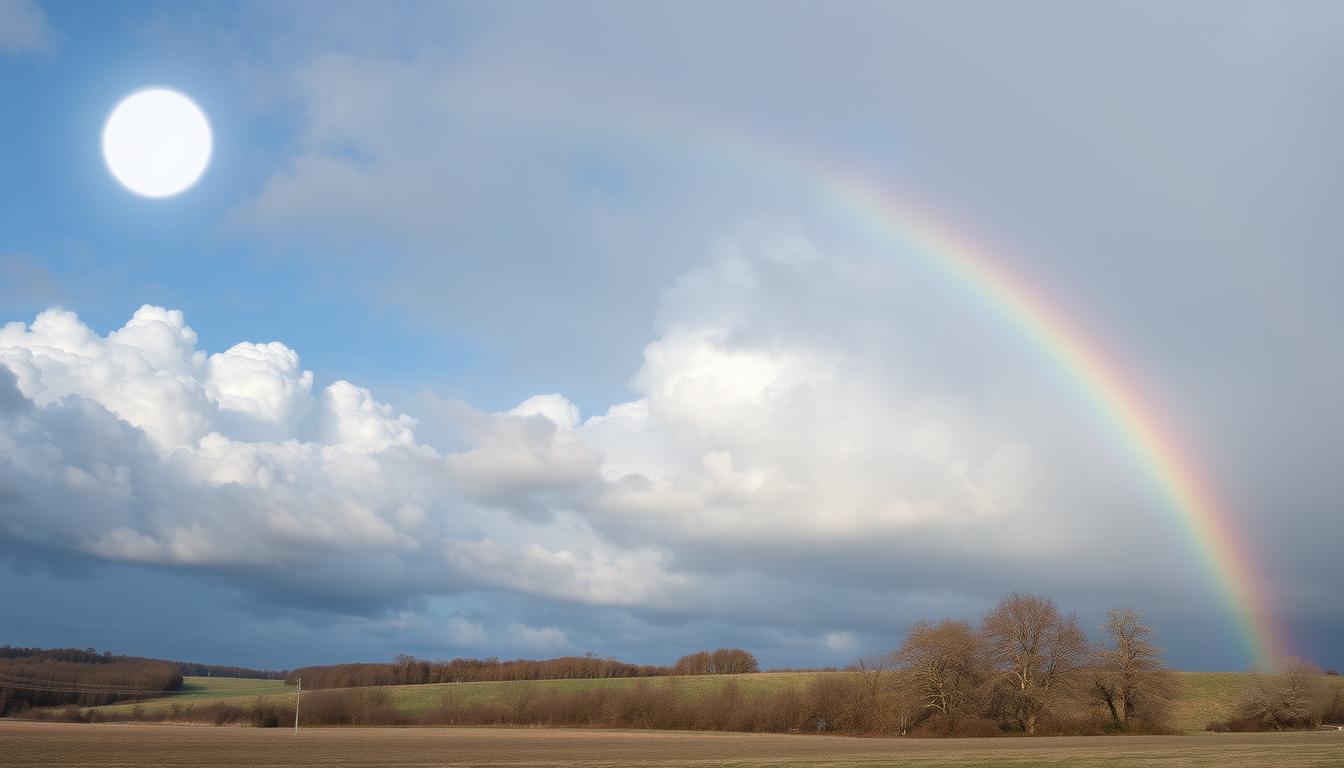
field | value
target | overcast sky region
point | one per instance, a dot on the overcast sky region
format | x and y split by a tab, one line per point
528	329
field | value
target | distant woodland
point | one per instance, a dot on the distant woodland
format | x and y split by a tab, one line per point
36	677
408	670
48	677
193	669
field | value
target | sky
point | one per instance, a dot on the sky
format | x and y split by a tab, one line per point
529	329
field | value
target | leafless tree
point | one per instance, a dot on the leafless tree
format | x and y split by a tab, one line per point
944	664
1130	677
724	661
877	699
1036	653
1292	697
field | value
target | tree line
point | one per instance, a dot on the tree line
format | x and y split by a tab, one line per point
724	661
37	677
195	669
409	670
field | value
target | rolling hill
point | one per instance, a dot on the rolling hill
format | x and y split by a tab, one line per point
1201	696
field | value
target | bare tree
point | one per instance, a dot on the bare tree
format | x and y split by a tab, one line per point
1130	677
406	666
944	665
724	661
1036	653
1293	697
877	699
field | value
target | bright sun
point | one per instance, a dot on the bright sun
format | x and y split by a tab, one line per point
157	142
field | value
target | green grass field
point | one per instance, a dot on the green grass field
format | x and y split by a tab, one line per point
1202	696
197	690
207	688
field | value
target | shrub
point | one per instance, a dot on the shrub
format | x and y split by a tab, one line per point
1293	698
218	713
350	706
1333	711
70	713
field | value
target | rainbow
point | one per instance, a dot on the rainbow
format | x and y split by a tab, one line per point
1207	522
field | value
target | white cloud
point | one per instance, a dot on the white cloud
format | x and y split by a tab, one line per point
261	384
144	372
23	28
467	634
760	437
139	446
839	641
555	408
353	418
542	639
594	574
521	463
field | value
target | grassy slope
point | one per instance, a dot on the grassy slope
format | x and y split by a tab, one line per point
420	698
197	690
205	688
1202	696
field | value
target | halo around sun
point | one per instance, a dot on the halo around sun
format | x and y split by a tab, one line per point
157	142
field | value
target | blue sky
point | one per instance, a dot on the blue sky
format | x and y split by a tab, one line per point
595	366
109	252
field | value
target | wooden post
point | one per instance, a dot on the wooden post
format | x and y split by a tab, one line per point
298	694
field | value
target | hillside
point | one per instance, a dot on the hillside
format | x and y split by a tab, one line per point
1202	696
46	677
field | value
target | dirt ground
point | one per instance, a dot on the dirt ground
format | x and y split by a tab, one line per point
25	744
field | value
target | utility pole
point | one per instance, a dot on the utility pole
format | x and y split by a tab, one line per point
298	694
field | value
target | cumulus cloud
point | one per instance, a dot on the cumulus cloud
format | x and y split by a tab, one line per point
741	442
23	28
137	446
751	433
555	408
262	386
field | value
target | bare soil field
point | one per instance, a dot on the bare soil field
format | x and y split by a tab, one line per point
24	744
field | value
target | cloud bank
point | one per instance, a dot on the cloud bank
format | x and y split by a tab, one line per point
745	440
